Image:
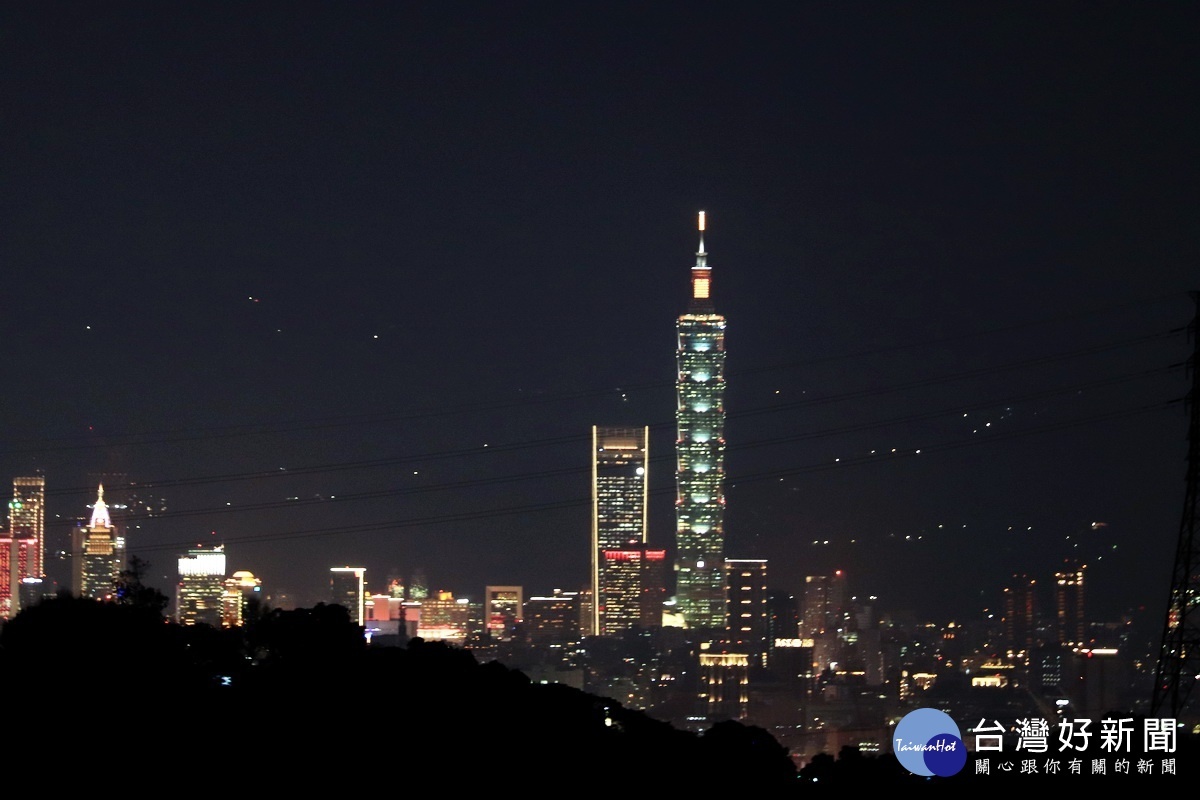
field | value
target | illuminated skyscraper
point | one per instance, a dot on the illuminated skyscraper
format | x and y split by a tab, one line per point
504	609
347	587
445	618
1020	618
1068	605
201	586
700	455
620	505
553	621
746	618
824	616
16	554
23	546
824	604
635	588
242	591
97	554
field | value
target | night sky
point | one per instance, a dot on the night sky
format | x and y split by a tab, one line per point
349	283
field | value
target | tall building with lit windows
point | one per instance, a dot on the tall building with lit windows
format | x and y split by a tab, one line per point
201	586
23	545
347	587
746	616
27	518
1070	623
1020	618
700	455
504	611
620	513
97	554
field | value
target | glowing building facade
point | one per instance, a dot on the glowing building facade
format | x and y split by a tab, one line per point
724	685
23	545
636	589
700	455
554	621
504	610
201	588
746	618
242	590
27	518
347	587
1070	622
97	554
620	512
445	618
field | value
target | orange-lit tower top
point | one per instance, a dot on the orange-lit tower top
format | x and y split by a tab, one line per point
701	278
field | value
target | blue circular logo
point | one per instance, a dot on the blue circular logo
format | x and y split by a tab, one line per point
927	742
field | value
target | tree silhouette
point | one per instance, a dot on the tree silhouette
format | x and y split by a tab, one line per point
131	589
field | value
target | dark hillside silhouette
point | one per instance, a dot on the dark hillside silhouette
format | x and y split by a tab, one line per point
304	699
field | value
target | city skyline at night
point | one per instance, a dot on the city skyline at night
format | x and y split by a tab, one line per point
331	285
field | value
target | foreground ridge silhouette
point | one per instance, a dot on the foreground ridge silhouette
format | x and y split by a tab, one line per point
298	697
305	698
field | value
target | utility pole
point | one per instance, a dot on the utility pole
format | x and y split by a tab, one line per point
1179	656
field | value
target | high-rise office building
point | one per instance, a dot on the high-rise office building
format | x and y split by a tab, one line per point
17	553
1020	618
27	518
1068	604
347	587
201	586
445	618
553	621
700	455
635	589
783	618
620	511
824	604
243	591
23	545
724	679
97	554
504	607
824	616
746	619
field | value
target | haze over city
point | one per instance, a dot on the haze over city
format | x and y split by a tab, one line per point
350	284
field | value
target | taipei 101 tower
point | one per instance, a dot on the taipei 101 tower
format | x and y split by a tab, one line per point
700	455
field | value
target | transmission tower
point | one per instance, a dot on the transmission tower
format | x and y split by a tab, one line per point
1179	656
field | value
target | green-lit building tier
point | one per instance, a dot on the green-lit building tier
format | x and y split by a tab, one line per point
700	455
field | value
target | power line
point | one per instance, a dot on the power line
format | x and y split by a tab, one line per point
582	502
243	430
775	408
567	471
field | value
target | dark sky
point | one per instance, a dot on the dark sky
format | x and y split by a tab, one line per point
394	260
